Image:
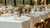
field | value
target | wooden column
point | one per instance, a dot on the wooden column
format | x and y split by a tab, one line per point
38	2
14	2
23	2
5	2
44	2
31	2
47	2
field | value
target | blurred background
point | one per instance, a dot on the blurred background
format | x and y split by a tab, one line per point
29	2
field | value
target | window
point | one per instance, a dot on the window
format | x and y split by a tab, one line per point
2	2
34	2
27	2
10	2
19	2
42	2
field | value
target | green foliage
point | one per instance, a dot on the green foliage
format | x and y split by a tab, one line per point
33	2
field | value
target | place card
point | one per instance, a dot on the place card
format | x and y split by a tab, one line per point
20	19
16	18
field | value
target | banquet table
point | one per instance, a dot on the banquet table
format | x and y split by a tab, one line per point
42	15
48	10
23	21
10	22
34	19
46	14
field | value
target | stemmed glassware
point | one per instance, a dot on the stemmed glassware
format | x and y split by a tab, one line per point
9	11
16	13
23	10
4	11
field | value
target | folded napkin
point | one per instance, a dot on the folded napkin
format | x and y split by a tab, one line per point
21	19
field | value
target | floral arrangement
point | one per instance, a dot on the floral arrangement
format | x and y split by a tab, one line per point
29	9
40	9
23	10
16	9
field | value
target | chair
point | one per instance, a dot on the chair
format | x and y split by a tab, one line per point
45	24
38	24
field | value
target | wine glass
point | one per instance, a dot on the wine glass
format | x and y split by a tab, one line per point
4	11
9	11
16	14
23	10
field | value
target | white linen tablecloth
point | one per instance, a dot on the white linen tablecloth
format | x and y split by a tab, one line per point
42	15
10	22
34	19
46	14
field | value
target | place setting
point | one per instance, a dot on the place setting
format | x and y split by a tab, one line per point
24	13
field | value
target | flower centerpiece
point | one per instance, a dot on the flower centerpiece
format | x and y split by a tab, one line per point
29	9
20	10
25	9
40	9
16	9
35	8
43	8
